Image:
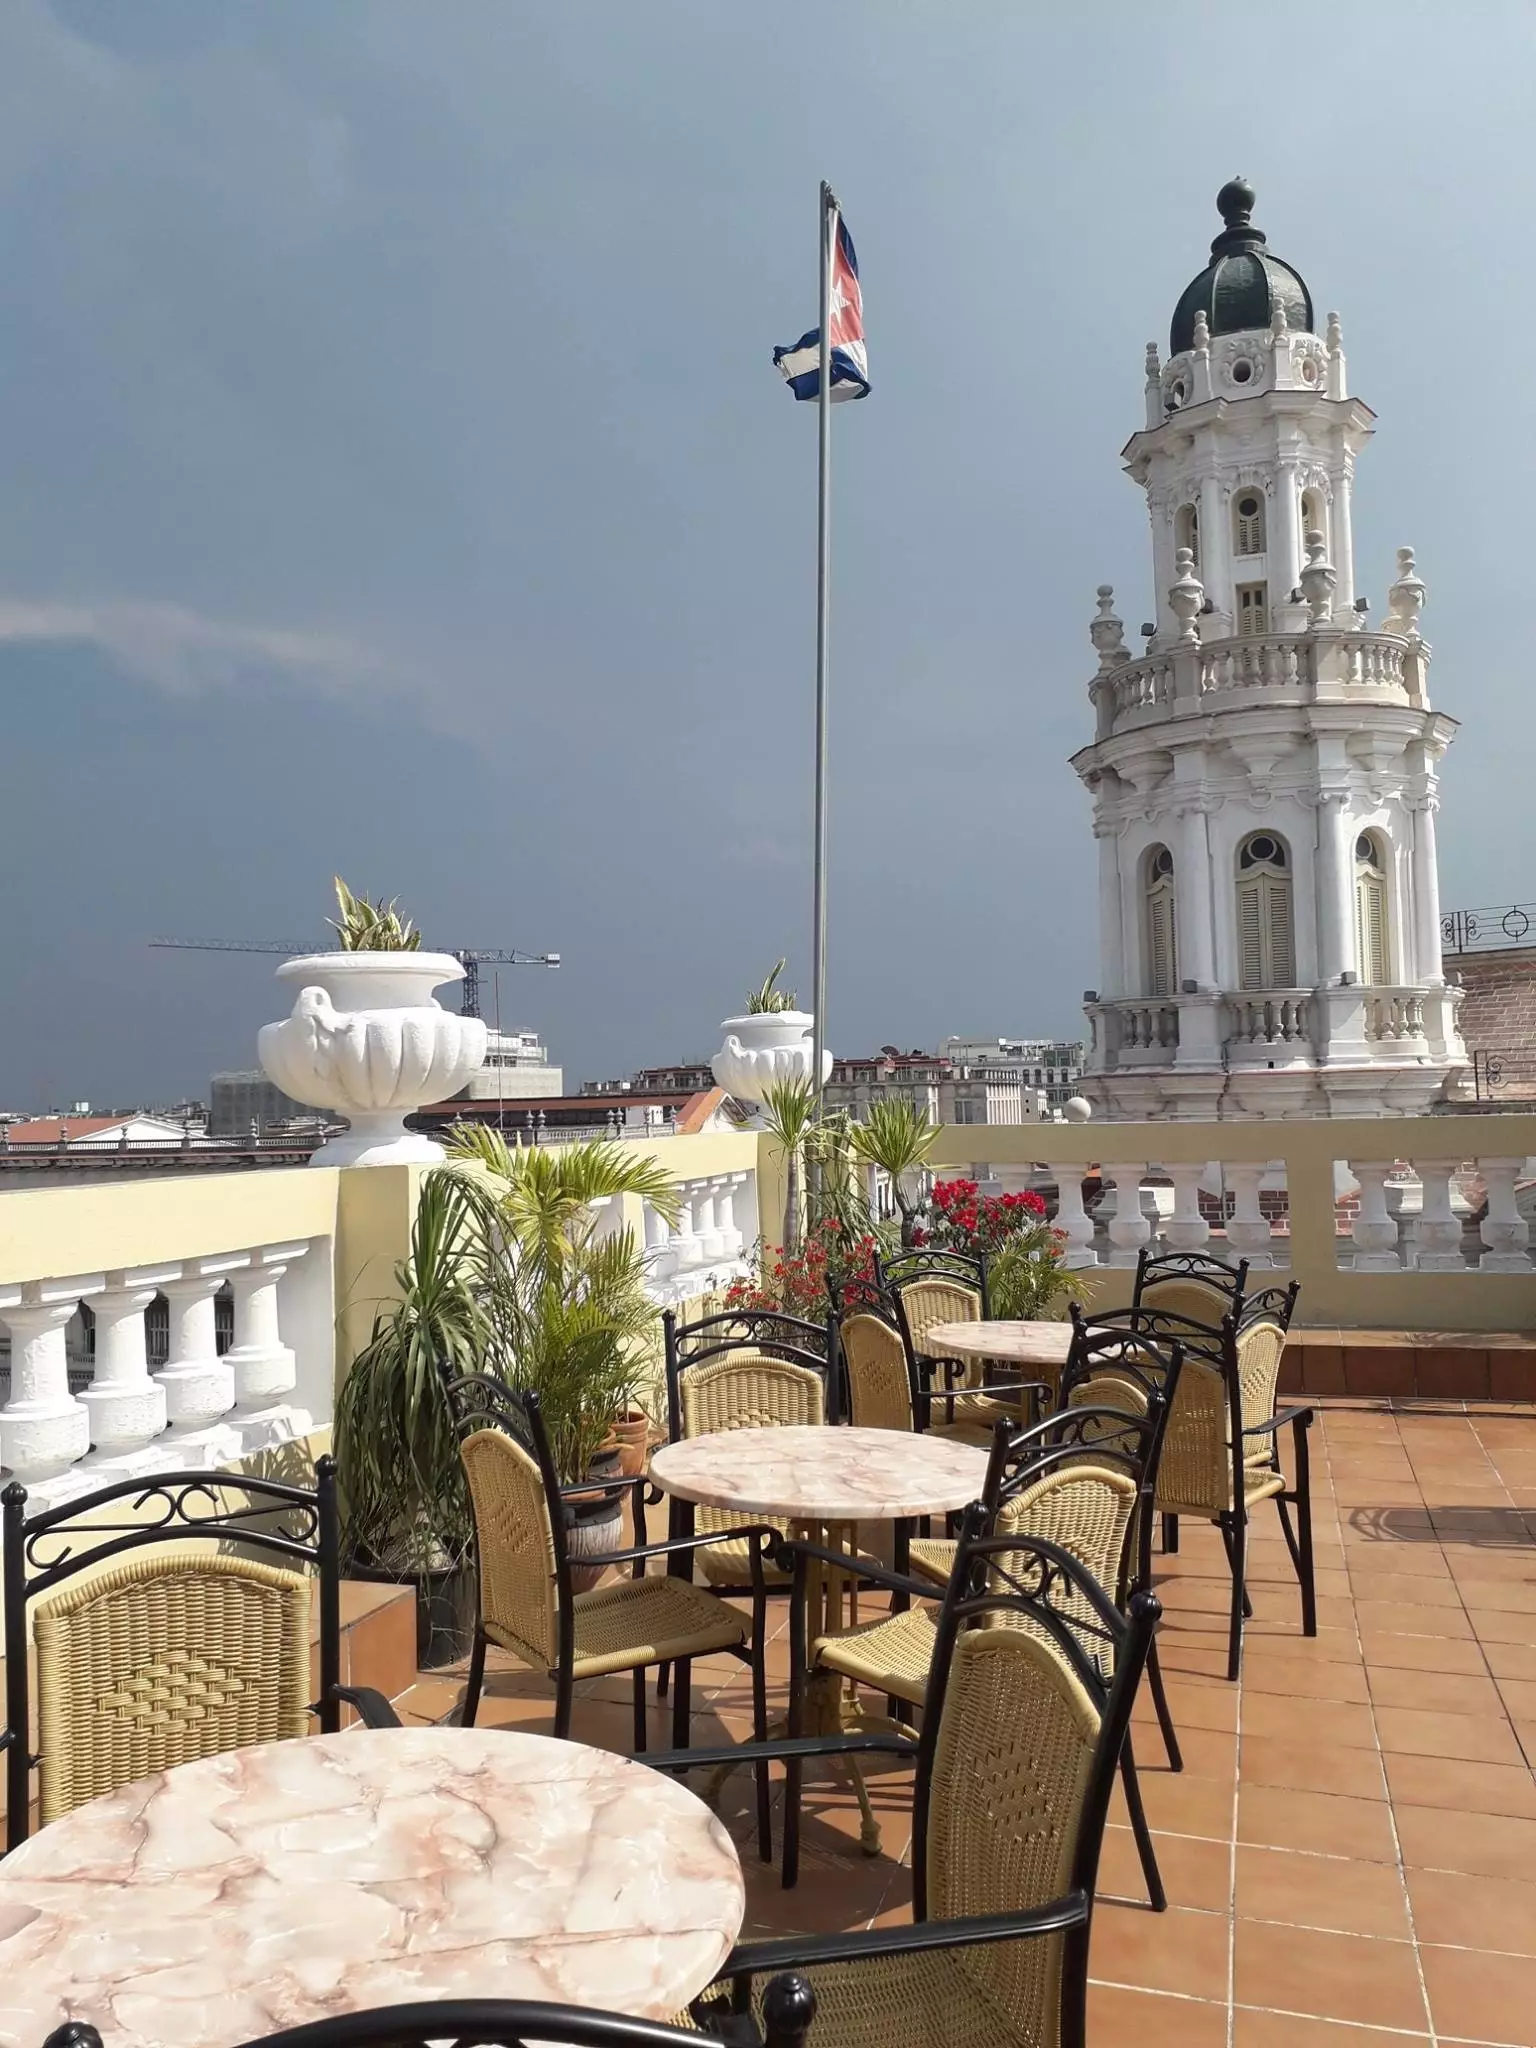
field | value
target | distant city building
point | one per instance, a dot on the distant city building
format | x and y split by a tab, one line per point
988	1090
72	1132
239	1100
516	1065
1053	1064
684	1080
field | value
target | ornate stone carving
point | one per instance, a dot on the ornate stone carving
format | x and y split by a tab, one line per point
1186	594
1108	632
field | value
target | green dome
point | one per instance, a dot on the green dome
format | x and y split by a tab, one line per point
1242	284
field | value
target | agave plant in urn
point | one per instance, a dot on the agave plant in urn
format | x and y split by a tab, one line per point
767	1046
367	1037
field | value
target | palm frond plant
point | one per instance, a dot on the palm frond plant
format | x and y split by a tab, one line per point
365	927
771	1000
897	1136
789	1115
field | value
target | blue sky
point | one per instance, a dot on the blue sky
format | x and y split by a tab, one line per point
393	478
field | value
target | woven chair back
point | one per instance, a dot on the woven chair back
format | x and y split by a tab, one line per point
934	1300
879	1390
161	1660
1086	1510
746	1389
1260	1347
1195	1476
515	1546
1197	1299
1011	1768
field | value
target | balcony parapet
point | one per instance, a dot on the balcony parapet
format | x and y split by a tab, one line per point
1299	1024
1322	665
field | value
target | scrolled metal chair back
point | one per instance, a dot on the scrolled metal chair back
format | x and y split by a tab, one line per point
514	1495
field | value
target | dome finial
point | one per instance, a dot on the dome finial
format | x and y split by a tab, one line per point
1235	202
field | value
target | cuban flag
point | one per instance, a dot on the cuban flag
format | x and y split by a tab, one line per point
800	365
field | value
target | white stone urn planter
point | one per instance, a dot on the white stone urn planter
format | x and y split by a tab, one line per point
368	1039
764	1048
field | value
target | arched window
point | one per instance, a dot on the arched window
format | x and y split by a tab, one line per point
1186	529
1371	937
1266	946
1162	977
1248	522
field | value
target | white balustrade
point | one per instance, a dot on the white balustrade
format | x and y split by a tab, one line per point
1282	1017
1129	1228
199	1386
686	1249
1439	1228
264	1367
1248	1231
1279	663
126	1407
1393	1013
1186	1229
1073	1220
43	1428
1505	1233
725	1214
1142	685
711	1243
659	1249
1374	1232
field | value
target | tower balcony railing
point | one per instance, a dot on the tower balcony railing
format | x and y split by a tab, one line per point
1239	1027
1323	664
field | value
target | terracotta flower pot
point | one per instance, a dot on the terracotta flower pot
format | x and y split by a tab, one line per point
632	1436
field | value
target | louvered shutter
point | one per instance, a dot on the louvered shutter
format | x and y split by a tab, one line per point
1250	934
1371	930
1266	949
1277	921
1162	962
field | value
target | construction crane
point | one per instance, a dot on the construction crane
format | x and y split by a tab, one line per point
470	958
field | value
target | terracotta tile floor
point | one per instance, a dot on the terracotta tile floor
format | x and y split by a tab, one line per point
1350	1851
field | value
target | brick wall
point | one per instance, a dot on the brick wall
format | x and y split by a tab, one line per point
1498	1014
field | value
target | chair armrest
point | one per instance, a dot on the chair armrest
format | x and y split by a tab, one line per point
373	1709
780	1749
571	1489
793	1950
670	1544
1279	1419
862	1568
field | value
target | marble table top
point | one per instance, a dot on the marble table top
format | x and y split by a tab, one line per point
822	1474
298	1880
1007	1343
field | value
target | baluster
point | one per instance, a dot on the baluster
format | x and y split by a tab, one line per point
658	1244
199	1385
1413	1021
1290	668
264	1366
1186	1229
1248	1232
704	1222
685	1243
1129	1229
725	1216
43	1428
1439	1246
1375	1231
1072	1218
126	1407
1504	1231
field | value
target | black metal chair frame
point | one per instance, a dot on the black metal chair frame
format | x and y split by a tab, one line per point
479	1401
924	1399
1128	1636
1216	1346
789	2005
45	1549
895	1273
794	1339
1204	1267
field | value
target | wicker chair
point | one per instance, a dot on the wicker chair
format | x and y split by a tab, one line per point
928	1287
1189	1284
1014	1774
526	1603
881	1379
788	2007
147	1658
1221	1457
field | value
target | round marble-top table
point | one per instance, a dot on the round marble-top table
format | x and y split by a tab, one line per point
298	1880
1019	1343
822	1475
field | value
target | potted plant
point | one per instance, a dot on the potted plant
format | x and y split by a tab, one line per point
1026	1280
368	1038
897	1137
567	1300
770	1042
405	1509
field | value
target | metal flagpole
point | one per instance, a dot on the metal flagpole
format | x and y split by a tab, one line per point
829	220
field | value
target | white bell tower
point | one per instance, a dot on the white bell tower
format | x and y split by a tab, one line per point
1264	776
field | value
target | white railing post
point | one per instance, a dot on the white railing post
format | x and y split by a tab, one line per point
725	1215
263	1365
43	1428
199	1385
1375	1231
685	1240
708	1230
1504	1231
1186	1229
1439	1244
658	1243
1073	1220
1129	1229
1248	1230
126	1407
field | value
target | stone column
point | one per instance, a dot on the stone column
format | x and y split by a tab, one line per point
1344	544
1073	1220
1111	930
1425	870
1193	909
1216	553
1504	1231
1248	1231
1186	1229
1335	889
1129	1229
264	1366
126	1407
658	1243
725	1218
1375	1231
199	1385
1283	544
685	1243
43	1428
704	1221
1439	1226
